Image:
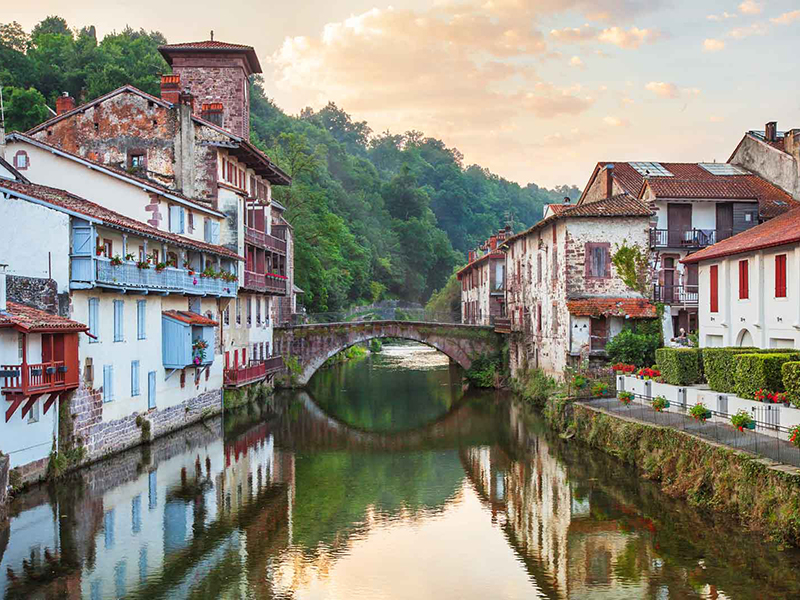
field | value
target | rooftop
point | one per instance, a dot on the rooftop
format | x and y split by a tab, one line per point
212	46
29	319
70	202
783	229
190	318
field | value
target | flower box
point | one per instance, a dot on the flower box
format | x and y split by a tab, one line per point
750	425
51	370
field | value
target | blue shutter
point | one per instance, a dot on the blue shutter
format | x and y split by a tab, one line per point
134	378
207	230
141	326
151	389
118	320
108	383
94	305
214	232
183	216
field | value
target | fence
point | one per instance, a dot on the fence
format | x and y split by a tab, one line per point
765	440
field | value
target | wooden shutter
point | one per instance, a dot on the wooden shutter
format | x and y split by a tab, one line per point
134	378
714	288
182	214
118	316
141	329
214	232
94	305
780	276
744	280
108	383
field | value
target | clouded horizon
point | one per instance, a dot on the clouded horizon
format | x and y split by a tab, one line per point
534	91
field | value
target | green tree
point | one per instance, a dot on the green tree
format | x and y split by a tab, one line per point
23	108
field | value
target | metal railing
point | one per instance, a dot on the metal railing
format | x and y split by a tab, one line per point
256	371
37	377
766	440
676	294
684	238
171	280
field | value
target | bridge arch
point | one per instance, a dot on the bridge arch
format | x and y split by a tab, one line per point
312	345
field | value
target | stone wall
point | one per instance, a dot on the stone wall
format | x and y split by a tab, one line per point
39	293
3	487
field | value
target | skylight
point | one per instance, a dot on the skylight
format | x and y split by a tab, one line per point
722	169
651	169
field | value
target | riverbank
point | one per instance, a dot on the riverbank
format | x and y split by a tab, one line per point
762	496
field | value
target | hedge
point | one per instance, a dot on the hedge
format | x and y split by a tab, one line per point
760	372
719	365
680	366
790	372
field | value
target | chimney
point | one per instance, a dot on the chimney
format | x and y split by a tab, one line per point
791	142
3	301
64	103
567	200
770	131
609	170
186	97
493	243
170	88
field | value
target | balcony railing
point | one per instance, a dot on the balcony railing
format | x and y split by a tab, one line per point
686	295
39	378
264	240
265	282
685	238
129	276
256	371
502	325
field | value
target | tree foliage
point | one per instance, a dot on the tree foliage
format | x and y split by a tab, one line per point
374	215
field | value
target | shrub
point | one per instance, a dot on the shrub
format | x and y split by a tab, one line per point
599	388
756	372
794	435
719	365
680	366
536	387
790	374
485	372
630	347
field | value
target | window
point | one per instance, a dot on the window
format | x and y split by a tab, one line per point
249	312
539	268
119	305
33	414
226	316
191	221
141	315
238	311
176	217
20	347
554	317
598	260
744	280
137	161
21	160
211	231
539	318
94	310
108	529
108	248
258	311
714	288
135	388
108	383
780	276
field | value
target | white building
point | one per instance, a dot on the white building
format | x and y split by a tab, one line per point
772	154
750	286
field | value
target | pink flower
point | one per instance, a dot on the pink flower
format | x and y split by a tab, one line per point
195	281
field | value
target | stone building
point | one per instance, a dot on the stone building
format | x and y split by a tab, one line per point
773	155
749	288
694	206
483	282
563	294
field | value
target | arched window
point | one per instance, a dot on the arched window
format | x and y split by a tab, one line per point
21	160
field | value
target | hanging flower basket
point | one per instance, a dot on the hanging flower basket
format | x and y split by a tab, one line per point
700	413
625	397
742	420
199	348
116	261
660	403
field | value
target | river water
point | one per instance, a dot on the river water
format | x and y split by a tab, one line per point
385	480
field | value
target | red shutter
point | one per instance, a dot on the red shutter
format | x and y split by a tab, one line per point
744	280
714	288
780	276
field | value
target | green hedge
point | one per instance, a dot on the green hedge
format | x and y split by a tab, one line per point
719	365
790	372
680	366
760	372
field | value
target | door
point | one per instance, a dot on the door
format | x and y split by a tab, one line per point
151	390
679	224
599	333
724	220
669	286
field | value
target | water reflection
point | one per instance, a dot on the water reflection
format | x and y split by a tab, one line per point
291	499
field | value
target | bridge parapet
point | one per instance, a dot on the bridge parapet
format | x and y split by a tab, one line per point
311	345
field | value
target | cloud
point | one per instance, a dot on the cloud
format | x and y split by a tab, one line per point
743	32
663	90
630	39
574	34
576	61
787	18
750	7
724	16
713	45
716	119
616	122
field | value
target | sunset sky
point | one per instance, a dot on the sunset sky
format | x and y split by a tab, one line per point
534	90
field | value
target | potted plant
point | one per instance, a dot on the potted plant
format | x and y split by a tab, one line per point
700	412
579	381
129	256
99	251
116	261
794	436
143	264
599	388
625	397
199	351
160	267
742	420
660	403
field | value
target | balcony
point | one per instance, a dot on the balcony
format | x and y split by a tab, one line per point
129	277
256	371
685	238
268	283
502	325
264	240
681	295
34	379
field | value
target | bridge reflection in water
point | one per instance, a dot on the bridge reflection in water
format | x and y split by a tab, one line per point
287	500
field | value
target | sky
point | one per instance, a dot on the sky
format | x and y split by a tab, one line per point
536	91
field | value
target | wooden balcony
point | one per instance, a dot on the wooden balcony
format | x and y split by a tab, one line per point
502	325
685	238
29	379
268	283
264	240
254	372
680	295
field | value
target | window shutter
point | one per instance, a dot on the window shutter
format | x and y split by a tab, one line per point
93	318
780	276
744	288
714	288
134	378
141	312
118	315
108	383
214	232
182	213
207	230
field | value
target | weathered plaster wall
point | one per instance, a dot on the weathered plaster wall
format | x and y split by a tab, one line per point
777	167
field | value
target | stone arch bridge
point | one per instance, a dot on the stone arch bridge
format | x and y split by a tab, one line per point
313	344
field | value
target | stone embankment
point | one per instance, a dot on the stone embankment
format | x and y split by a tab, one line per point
3	488
761	494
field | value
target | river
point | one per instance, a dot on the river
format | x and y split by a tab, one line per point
384	480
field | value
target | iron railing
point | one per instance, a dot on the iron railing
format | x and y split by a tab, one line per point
684	238
686	295
171	280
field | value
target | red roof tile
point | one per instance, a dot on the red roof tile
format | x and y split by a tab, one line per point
211	46
27	318
480	259
783	229
190	318
636	308
68	201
